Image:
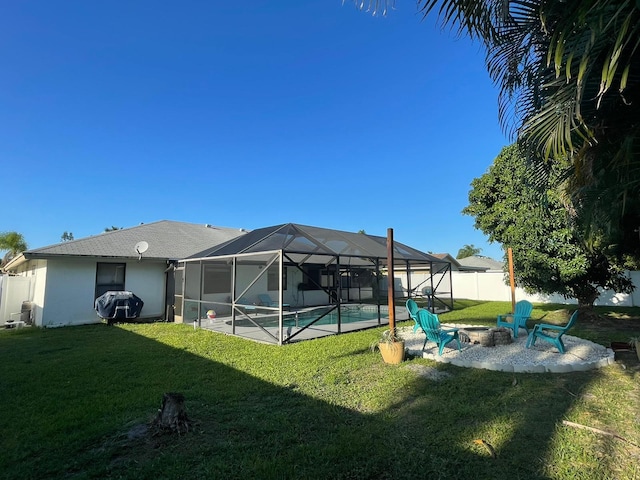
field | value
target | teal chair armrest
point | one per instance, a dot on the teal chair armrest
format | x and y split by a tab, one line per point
450	330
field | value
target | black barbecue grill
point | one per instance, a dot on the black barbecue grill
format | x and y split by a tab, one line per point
114	306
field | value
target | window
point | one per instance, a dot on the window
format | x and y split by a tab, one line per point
327	279
272	278
362	277
216	279
109	277
310	278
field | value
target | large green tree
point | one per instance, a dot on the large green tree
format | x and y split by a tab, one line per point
13	243
569	79
549	255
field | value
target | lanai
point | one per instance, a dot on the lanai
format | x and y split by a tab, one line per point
291	282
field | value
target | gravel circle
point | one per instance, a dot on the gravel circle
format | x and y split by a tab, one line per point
580	355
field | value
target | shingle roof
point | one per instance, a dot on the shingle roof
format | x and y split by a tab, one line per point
447	257
480	263
167	240
306	240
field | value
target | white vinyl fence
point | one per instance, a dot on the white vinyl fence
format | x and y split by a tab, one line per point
491	286
13	291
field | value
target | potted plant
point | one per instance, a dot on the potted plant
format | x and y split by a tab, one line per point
391	347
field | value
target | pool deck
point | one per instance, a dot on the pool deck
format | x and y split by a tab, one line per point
269	334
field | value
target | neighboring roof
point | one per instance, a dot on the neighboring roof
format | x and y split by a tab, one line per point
447	257
167	240
477	262
304	241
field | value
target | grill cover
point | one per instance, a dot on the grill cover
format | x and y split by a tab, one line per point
118	305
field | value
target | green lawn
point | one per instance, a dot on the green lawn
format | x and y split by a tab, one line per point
326	408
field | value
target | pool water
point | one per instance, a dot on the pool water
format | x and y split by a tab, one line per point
349	315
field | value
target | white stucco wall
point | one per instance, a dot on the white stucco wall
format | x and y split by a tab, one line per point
70	290
38	271
69	294
147	281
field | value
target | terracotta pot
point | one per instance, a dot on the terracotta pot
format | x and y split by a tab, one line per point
392	352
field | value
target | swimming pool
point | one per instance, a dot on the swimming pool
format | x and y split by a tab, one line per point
304	318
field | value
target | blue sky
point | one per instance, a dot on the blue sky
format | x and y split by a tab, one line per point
241	114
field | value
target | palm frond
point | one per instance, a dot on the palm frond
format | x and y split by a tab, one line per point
375	7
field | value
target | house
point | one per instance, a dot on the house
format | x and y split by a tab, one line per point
430	280
447	257
479	263
188	272
62	281
468	277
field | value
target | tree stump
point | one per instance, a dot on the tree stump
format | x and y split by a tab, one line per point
172	416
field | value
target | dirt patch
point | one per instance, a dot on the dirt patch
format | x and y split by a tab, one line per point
619	323
141	441
628	359
429	372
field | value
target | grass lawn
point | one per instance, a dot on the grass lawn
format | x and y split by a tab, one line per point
326	408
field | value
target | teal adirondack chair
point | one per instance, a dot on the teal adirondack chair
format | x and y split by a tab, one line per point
518	318
551	333
431	327
246	305
412	309
265	299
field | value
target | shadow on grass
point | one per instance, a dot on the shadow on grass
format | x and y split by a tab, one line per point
76	392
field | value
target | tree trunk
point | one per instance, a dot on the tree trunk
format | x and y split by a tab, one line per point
584	306
172	416
586	296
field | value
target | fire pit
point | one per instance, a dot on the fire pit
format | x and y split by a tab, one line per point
485	336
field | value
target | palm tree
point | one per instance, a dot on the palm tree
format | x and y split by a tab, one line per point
468	251
569	93
13	243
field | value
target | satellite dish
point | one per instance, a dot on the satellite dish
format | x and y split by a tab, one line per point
140	248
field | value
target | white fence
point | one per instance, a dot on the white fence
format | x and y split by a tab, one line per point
491	286
13	291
